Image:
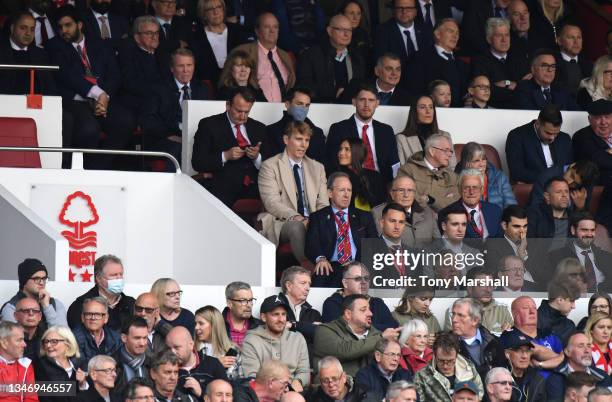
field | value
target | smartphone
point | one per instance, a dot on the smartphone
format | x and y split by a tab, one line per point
232	353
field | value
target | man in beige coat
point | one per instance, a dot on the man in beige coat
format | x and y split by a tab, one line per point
292	186
436	183
272	63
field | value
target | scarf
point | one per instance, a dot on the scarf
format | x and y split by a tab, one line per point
133	365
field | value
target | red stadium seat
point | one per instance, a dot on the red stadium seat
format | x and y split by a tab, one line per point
248	209
18	132
490	152
522	192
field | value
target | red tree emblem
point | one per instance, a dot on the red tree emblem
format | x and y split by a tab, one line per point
79	212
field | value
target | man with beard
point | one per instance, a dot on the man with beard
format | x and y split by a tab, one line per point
238	314
577	359
597	262
100	23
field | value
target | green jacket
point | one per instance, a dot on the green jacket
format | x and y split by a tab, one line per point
335	338
431	385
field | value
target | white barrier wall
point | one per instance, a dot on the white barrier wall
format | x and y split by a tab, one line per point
485	126
167	226
48	123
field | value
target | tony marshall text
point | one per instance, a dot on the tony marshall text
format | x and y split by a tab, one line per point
439	283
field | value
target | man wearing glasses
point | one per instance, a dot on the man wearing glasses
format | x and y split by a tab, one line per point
499	385
102	372
28	314
239	311
147	307
33	278
539	91
139	390
336	385
93	335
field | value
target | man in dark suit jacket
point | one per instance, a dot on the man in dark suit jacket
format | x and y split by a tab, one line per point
579	175
439	62
431	12
597	262
42	12
100	23
403	37
379	141
330	242
231	147
593	142
297	104
143	65
523	37
162	114
174	32
328	68
571	67
474	23
88	78
533	94
538	145
503	68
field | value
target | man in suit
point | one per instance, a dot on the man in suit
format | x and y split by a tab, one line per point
143	66
388	73
231	147
538	145
597	262
535	93
474	22
511	269
594	142
572	68
502	67
514	242
328	68
275	69
297	103
421	226
44	28
439	62
378	138
101	23
334	234
162	115
292	187
174	32
88	77
403	37
431	12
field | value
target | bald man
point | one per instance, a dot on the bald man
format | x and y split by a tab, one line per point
195	370
327	68
219	391
146	306
270	383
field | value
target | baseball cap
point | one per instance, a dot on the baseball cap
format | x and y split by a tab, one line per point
272	302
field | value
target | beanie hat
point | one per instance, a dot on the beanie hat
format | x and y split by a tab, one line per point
27	268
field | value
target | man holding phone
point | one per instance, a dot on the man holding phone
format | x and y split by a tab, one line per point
33	278
228	149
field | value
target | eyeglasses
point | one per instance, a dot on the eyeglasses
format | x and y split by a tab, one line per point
549	67
448	362
285	383
39	279
148	310
342	30
482	87
360	278
29	311
244	302
404	9
107	371
178	293
391	354
215	8
404	191
330	380
94	316
603	307
505	383
53	342
149	33
514	270
445	150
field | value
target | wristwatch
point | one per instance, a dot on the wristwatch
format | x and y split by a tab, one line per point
507	83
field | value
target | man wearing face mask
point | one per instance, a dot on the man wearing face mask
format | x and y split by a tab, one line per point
108	276
100	23
297	103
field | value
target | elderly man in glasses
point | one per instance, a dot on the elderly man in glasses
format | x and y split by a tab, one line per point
102	372
29	315
32	283
498	385
147	307
93	335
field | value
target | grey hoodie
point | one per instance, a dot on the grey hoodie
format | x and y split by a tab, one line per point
259	346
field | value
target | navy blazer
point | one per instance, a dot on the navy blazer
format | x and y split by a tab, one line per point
528	95
11	82
492	216
384	142
587	145
321	236
441	8
603	262
525	155
389	39
118	25
455	72
71	75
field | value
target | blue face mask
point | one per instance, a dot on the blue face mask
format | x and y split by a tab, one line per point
115	286
298	113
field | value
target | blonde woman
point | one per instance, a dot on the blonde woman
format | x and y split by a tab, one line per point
168	294
60	361
211	339
599	330
598	85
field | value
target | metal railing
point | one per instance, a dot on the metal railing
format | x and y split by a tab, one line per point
166	155
28	67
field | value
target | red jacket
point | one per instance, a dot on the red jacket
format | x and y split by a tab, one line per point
413	362
17	372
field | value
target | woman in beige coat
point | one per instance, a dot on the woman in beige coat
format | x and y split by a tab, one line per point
422	122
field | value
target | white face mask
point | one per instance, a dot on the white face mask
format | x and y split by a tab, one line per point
115	286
